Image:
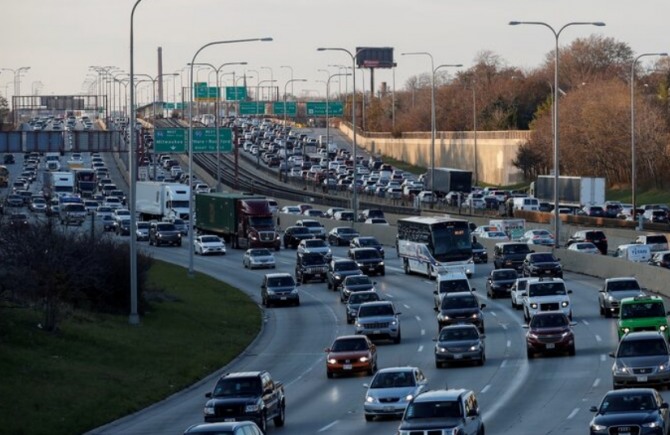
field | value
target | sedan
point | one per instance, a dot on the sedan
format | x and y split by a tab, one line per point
584	248
209	245
641	408
258	257
542	264
539	237
351	354
499	282
14	201
142	231
459	343
391	390
226	428
549	331
38	205
341	236
355	283
367	242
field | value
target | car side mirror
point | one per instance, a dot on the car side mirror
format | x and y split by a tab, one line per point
435	309
595	408
602	290
573	323
208	395
558	259
366	386
569	292
398	313
482	306
664	405
611	354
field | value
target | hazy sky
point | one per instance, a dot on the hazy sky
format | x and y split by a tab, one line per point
60	39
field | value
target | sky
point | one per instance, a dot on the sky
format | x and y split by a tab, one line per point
61	39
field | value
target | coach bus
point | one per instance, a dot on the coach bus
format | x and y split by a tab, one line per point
433	245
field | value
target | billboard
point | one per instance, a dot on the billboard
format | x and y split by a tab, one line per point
374	57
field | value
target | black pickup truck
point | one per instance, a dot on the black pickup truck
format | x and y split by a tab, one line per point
246	396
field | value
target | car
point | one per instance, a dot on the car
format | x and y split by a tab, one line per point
539	237
18	220
640	408
122	226
209	245
656	242
258	257
315	227
344	215
367	242
38	205
310	265
597	237
642	313
112	202
546	294
584	248
499	282
391	389
341	236
293	235
356	299
452	411
613	291
450	282
355	283
279	287
290	209
510	255
142	230
338	270
14	200
641	359
549	332
379	320
369	260
376	221
351	354
657	216
164	233
461	307
315	245
108	223
180	224
660	259
226	428
542	264
91	206
518	291
104	211
479	253
8	159
330	213
459	343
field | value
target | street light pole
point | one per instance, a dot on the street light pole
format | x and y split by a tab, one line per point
328	124
291	69
271	76
556	144
285	153
190	141
633	168
433	127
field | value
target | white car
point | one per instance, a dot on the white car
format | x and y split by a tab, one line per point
290	209
518	291
209	245
546	294
584	248
539	237
494	235
258	257
377	221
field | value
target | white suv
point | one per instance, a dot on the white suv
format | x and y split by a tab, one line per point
546	294
518	291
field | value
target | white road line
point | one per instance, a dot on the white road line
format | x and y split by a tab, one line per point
598	339
596	382
573	413
486	388
504	326
503	364
406	306
328	426
585	322
388	295
423	332
418	319
603	357
420	348
493	313
509	343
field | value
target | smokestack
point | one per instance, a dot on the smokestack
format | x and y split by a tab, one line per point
160	74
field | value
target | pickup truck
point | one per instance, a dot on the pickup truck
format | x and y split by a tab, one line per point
247	396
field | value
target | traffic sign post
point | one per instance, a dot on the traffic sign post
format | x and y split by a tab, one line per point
318	108
291	108
175	140
200	91
236	93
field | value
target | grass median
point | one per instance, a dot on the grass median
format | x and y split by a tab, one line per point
98	368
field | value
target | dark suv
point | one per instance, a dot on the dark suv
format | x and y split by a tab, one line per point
340	269
369	260
510	255
310	265
164	233
542	264
442	411
461	307
596	237
293	236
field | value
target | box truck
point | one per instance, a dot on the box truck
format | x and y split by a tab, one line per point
580	191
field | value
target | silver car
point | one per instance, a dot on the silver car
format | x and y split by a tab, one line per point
315	245
258	257
642	359
142	230
457	343
615	289
379	320
391	390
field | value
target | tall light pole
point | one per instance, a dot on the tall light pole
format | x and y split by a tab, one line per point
285	153
328	124
433	127
556	144
633	168
271	76
258	85
290	69
190	140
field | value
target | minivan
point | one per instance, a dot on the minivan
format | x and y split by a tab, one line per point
530	204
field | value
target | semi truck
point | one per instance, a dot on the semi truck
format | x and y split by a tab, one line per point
157	200
449	180
578	191
243	220
85	182
58	183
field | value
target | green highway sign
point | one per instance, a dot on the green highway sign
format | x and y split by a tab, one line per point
236	93
174	140
252	108
291	108
318	108
170	140
200	90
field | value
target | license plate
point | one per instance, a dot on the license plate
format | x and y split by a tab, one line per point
346	367
283	298
229	419
550	345
641	378
388	408
376	332
458	356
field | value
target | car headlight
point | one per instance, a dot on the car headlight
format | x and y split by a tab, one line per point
565	304
475	316
662	328
441	349
565	334
598	427
364	359
209	410
337	277
474	348
533	305
651	424
533	336
409	397
360	264
381	263
252	408
270	292
254	238
625	330
394	322
442	317
611	298
620	370
332	360
370	399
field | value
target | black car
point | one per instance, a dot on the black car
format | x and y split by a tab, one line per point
310	265
293	236
353	284
164	233
510	255
641	410
479	254
338	270
499	282
8	159
596	237
341	236
18	220
460	307
542	264
368	260
122	227
367	242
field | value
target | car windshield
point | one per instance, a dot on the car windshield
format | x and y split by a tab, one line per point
549	321
143	225
350	345
459	302
456	334
543	258
316	243
616	403
504	274
441	409
546	289
368	242
345	265
366	254
358	280
237	387
165	227
375	310
454	285
209	239
359	298
393	380
649	347
636	310
346	231
586	246
516	249
281	281
311	224
301	230
629	284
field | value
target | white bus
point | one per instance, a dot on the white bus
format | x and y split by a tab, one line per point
434	245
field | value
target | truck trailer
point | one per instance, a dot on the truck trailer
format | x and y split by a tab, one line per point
449	180
577	191
243	220
157	200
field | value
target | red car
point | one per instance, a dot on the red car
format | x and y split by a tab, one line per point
351	354
550	332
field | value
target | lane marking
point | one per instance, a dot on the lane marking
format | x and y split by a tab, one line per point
596	382
585	322
503	364
493	313
509	343
504	326
573	413
420	348
603	357
598	338
389	295
485	389
423	332
406	306
418	319
328	426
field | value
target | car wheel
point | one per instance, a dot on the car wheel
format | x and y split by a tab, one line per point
279	420
383	273
572	351
441	364
263	424
529	354
369	417
349	320
513	304
482	360
526	317
244	264
397	339
329	375
330	285
297	302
